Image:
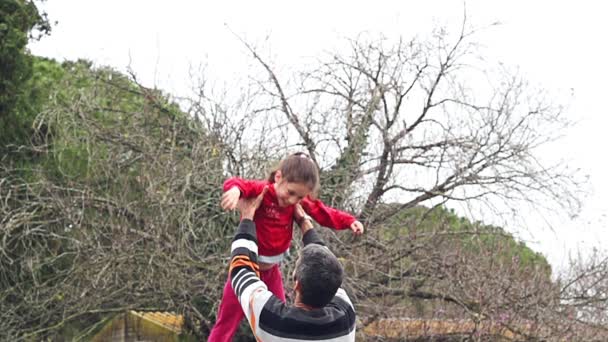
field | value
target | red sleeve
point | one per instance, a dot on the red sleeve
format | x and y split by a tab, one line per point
248	188
327	216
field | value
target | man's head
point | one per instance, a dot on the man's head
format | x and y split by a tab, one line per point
318	275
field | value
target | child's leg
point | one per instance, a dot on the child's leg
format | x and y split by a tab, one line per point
230	312
229	316
273	279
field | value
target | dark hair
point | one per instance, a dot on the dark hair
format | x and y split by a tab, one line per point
298	168
320	275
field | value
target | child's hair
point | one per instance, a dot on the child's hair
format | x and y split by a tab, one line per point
299	168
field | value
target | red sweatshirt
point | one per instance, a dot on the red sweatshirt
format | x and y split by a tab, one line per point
274	224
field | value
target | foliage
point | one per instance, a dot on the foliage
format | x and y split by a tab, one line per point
399	125
471	235
109	190
125	185
20	20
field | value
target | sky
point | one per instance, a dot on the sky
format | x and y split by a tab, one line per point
555	44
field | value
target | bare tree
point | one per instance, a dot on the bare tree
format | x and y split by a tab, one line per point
407	126
124	213
418	121
119	213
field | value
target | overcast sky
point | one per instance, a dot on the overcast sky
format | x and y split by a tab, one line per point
560	45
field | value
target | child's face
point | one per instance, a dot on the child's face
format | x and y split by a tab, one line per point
290	193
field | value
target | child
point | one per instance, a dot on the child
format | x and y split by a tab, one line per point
295	180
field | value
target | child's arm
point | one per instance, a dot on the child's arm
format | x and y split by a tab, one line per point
330	217
235	188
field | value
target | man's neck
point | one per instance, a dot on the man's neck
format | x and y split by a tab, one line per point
297	302
301	305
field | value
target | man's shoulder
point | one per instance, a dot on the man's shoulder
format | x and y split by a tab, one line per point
342	297
335	321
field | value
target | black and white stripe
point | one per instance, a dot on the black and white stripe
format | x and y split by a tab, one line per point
270	318
337	319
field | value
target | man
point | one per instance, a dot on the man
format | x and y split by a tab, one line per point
322	310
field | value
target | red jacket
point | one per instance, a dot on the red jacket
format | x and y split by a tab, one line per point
274	224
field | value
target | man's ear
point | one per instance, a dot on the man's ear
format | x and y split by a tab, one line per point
278	176
297	286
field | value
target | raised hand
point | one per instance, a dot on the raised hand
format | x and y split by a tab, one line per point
248	206
357	228
230	199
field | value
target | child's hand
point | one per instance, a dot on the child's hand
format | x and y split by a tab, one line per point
357	228
230	199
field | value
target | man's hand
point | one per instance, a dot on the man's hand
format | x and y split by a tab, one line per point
302	219
230	198
357	228
248	206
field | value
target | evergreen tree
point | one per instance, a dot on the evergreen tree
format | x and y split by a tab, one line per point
20	21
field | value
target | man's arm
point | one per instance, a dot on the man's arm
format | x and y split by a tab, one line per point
251	292
244	270
309	235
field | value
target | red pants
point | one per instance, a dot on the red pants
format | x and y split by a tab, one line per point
230	313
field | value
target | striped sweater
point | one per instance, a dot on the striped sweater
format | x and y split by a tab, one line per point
271	319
